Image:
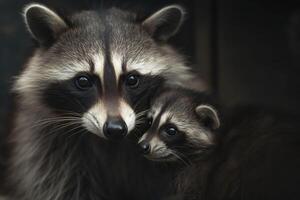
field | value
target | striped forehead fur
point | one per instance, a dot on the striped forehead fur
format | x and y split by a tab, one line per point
77	46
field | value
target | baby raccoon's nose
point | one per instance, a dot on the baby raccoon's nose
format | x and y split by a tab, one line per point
115	129
145	147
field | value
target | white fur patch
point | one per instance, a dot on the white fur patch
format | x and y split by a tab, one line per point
94	119
117	63
128	115
156	144
158	148
144	136
67	70
40	72
172	68
164	117
147	68
99	65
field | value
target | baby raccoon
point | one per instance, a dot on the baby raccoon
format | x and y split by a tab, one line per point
182	124
250	154
183	130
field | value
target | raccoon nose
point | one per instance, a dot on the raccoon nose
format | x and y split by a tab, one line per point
115	129
145	147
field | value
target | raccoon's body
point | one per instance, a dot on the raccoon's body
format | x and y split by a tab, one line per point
89	81
249	154
258	156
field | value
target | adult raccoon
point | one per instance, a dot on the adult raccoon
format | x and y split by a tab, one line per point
90	79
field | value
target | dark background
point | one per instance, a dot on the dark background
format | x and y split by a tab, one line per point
247	51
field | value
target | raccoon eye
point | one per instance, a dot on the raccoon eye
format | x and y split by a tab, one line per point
83	82
132	81
170	130
149	122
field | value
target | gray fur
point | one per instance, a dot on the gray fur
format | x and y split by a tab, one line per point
74	48
44	164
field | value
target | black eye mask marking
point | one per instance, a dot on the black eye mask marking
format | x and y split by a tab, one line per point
140	97
64	96
171	135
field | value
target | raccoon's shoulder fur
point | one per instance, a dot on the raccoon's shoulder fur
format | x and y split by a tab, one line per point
256	158
257	155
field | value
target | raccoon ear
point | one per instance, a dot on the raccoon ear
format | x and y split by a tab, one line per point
164	23
208	115
43	24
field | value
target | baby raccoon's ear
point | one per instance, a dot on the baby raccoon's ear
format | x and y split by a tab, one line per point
208	115
165	22
43	24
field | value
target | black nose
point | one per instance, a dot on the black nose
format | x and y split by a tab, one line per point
145	147
115	129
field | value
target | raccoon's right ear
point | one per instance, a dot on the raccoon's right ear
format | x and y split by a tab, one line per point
164	23
208	116
43	24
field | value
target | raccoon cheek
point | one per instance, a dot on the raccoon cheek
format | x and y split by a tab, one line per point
93	120
157	144
89	125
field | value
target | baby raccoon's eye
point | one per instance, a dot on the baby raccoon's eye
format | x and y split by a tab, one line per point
149	121
83	82
170	130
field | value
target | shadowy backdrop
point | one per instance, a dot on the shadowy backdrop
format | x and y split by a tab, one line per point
248	51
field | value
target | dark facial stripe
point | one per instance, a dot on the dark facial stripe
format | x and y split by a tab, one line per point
124	68
92	66
157	120
110	86
63	97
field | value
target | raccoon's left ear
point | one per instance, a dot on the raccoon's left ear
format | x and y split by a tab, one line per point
164	23
43	24
208	115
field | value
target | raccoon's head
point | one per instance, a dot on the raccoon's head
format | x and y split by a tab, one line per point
100	66
182	126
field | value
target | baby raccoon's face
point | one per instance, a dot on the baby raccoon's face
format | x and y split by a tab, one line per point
179	129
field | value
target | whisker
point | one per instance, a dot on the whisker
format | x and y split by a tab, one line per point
187	163
51	122
76	132
92	122
62	126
